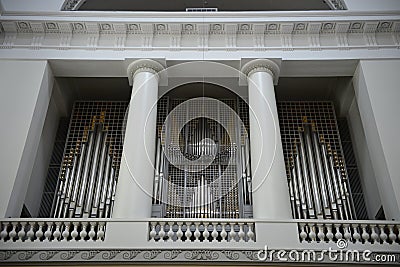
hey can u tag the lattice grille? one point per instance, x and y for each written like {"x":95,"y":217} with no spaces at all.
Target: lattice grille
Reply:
{"x":291,"y":114}
{"x":322,"y":116}
{"x":220,"y":178}
{"x":90,"y":165}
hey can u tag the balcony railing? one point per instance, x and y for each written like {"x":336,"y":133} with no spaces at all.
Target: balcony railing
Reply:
{"x":357,"y":232}
{"x":181,"y":240}
{"x":53,"y":230}
{"x":196,"y":230}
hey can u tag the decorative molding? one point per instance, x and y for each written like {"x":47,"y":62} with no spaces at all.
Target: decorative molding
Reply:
{"x":143,"y":65}
{"x":72,"y":5}
{"x":336,"y":4}
{"x":263,"y":65}
{"x":227,"y":256}
{"x":286,"y":36}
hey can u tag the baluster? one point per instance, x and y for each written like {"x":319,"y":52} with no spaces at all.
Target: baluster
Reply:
{"x":39,"y":232}
{"x":356,"y":234}
{"x":188,"y":232}
{"x":65,"y":233}
{"x":83,"y":232}
{"x":92,"y":232}
{"x":179,"y":233}
{"x":338,"y":234}
{"x":4,"y":233}
{"x":303,"y":233}
{"x":250,"y":233}
{"x":197,"y":232}
{"x":170,"y":232}
{"x":48,"y":233}
{"x":57,"y":232}
{"x":75,"y":233}
{"x":329,"y":233}
{"x":153,"y":232}
{"x":161,"y":233}
{"x":224,"y":234}
{"x":13,"y":232}
{"x":21,"y":233}
{"x":321,"y":232}
{"x":241,"y":233}
{"x":31,"y":234}
{"x":383,"y":236}
{"x":392,"y":235}
{"x":347,"y":233}
{"x":100,"y":231}
{"x":364,"y":235}
{"x":214,"y":232}
{"x":312,"y":233}
{"x":374,"y":235}
{"x":232,"y":233}
{"x":206,"y":234}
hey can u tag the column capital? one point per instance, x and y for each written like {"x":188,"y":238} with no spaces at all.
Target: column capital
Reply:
{"x":143,"y":65}
{"x":262,"y":65}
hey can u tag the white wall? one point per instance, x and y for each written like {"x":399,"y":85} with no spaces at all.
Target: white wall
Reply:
{"x":25,"y":92}
{"x":373,"y":5}
{"x":376,"y":85}
{"x":32,"y":5}
{"x":372,"y":198}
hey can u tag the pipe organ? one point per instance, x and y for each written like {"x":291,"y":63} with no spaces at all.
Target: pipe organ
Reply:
{"x":317,"y":176}
{"x":202,"y":161}
{"x":89,"y":173}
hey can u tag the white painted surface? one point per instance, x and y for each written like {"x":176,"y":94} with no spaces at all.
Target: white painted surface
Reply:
{"x":376,"y":85}
{"x":40,"y":169}
{"x":372,"y":5}
{"x":269,"y":181}
{"x":27,"y":85}
{"x":32,"y":5}
{"x":369,"y":184}
{"x":133,"y":197}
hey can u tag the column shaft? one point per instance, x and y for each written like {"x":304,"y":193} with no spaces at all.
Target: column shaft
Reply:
{"x":133,"y":195}
{"x":270,"y":189}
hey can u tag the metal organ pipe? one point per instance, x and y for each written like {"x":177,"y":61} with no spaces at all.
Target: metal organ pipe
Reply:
{"x":327,"y":180}
{"x":87,"y":182}
{"x":321,"y":176}
{"x":99,"y":180}
{"x":307,"y":183}
{"x":331,"y":191}
{"x":301,"y":185}
{"x":313,"y":173}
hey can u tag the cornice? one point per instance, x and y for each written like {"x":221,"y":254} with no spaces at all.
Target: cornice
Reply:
{"x":314,"y":35}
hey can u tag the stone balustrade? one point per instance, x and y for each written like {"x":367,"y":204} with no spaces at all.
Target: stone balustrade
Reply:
{"x":197,"y":230}
{"x":362,"y":232}
{"x":52,"y":230}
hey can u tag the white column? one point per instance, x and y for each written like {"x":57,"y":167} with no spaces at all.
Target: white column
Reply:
{"x":270,"y":189}
{"x":134,"y":189}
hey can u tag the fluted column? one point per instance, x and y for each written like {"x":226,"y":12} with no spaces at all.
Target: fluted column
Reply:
{"x":133,"y":194}
{"x":270,"y":189}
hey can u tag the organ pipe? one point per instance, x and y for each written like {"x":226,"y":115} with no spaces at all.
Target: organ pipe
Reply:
{"x":317,"y":179}
{"x":88,"y":178}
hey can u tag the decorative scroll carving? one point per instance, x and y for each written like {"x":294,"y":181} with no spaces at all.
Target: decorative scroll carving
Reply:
{"x":201,"y":255}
